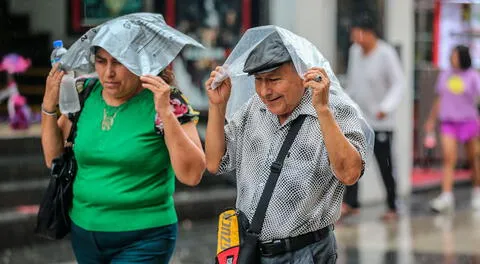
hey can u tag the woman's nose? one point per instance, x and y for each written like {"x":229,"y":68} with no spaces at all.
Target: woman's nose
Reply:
{"x":110,"y":71}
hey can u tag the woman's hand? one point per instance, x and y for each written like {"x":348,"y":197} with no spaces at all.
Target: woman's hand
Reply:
{"x":161,"y":92}
{"x":429,"y":126}
{"x":52,"y":88}
{"x":221,"y":94}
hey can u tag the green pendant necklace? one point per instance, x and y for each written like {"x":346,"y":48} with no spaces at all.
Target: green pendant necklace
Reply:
{"x":108,"y":119}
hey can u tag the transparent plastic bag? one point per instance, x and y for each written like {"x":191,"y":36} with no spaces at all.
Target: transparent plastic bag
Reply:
{"x":304,"y":56}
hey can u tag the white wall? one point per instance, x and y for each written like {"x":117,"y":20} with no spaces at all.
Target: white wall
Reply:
{"x":281,"y":13}
{"x":45,"y":16}
{"x":316,"y":20}
{"x":400,"y":29}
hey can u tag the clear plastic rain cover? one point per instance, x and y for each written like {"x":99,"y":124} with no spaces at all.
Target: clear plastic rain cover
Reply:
{"x":142,"y":42}
{"x":304,"y":56}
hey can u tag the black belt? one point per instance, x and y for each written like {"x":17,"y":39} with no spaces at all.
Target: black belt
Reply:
{"x":280,"y":246}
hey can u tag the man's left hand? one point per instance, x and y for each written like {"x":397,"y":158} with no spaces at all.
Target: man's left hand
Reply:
{"x":381,"y":115}
{"x":317,"y":80}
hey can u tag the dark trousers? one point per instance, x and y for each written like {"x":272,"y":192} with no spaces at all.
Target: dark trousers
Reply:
{"x":383,"y":154}
{"x":153,"y":245}
{"x":321,"y":252}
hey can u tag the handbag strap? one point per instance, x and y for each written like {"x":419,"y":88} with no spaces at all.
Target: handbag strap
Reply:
{"x":275,"y":169}
{"x":82,"y":96}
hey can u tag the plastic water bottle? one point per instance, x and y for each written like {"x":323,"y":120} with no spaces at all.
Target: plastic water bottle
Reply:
{"x":68,"y":98}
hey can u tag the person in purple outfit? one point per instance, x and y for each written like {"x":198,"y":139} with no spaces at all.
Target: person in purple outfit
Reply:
{"x":456,"y":108}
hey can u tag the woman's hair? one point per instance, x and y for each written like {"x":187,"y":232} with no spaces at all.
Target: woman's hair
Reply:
{"x":168,"y":76}
{"x":365,"y":20}
{"x":464,"y":58}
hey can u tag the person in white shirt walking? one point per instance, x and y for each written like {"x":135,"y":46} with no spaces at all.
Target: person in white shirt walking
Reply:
{"x":376,"y":83}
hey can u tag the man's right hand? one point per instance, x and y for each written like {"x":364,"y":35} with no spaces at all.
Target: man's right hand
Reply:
{"x":52,"y":88}
{"x":221,"y":94}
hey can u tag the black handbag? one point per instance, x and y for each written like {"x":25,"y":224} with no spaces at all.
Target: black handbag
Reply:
{"x":248,"y":250}
{"x":53,"y":219}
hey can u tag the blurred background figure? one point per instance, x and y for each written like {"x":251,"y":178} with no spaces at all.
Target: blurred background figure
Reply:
{"x":19,"y":113}
{"x":457,"y":91}
{"x":216,"y":25}
{"x":376,"y":83}
{"x":229,"y":30}
{"x":22,"y":115}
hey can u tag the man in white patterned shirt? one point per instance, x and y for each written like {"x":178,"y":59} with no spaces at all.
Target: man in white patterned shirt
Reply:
{"x":327,"y":154}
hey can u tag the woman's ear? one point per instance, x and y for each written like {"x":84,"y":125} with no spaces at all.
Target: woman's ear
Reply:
{"x":168,"y":76}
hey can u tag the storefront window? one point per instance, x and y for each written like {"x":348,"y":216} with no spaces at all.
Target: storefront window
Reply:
{"x":218,"y":26}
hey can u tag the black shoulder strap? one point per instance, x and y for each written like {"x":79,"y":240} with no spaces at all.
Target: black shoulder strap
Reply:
{"x":82,"y":96}
{"x":275,"y":169}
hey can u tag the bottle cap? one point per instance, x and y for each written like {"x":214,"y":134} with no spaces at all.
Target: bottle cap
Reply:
{"x":57,"y":44}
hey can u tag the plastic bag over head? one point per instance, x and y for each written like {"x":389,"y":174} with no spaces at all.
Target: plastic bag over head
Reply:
{"x":304,"y":56}
{"x":142,"y":42}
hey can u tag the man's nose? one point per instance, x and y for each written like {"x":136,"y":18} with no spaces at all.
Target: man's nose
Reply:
{"x":265,"y":89}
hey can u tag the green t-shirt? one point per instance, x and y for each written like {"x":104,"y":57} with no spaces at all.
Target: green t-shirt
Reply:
{"x":125,"y":180}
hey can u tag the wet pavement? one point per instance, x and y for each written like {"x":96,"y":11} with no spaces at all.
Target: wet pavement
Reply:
{"x":419,"y":236}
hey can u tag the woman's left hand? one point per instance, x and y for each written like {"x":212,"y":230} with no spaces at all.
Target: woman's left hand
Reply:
{"x":161,"y":92}
{"x":317,"y":80}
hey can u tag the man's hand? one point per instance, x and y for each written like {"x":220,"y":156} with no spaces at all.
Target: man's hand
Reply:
{"x":221,"y":94}
{"x":317,"y":80}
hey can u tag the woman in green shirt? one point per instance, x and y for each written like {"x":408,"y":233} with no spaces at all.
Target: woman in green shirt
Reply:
{"x":134,"y":135}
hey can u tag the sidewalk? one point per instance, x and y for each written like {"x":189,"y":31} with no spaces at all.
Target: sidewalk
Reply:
{"x":429,"y":178}
{"x":418,"y":237}
{"x":6,"y":132}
